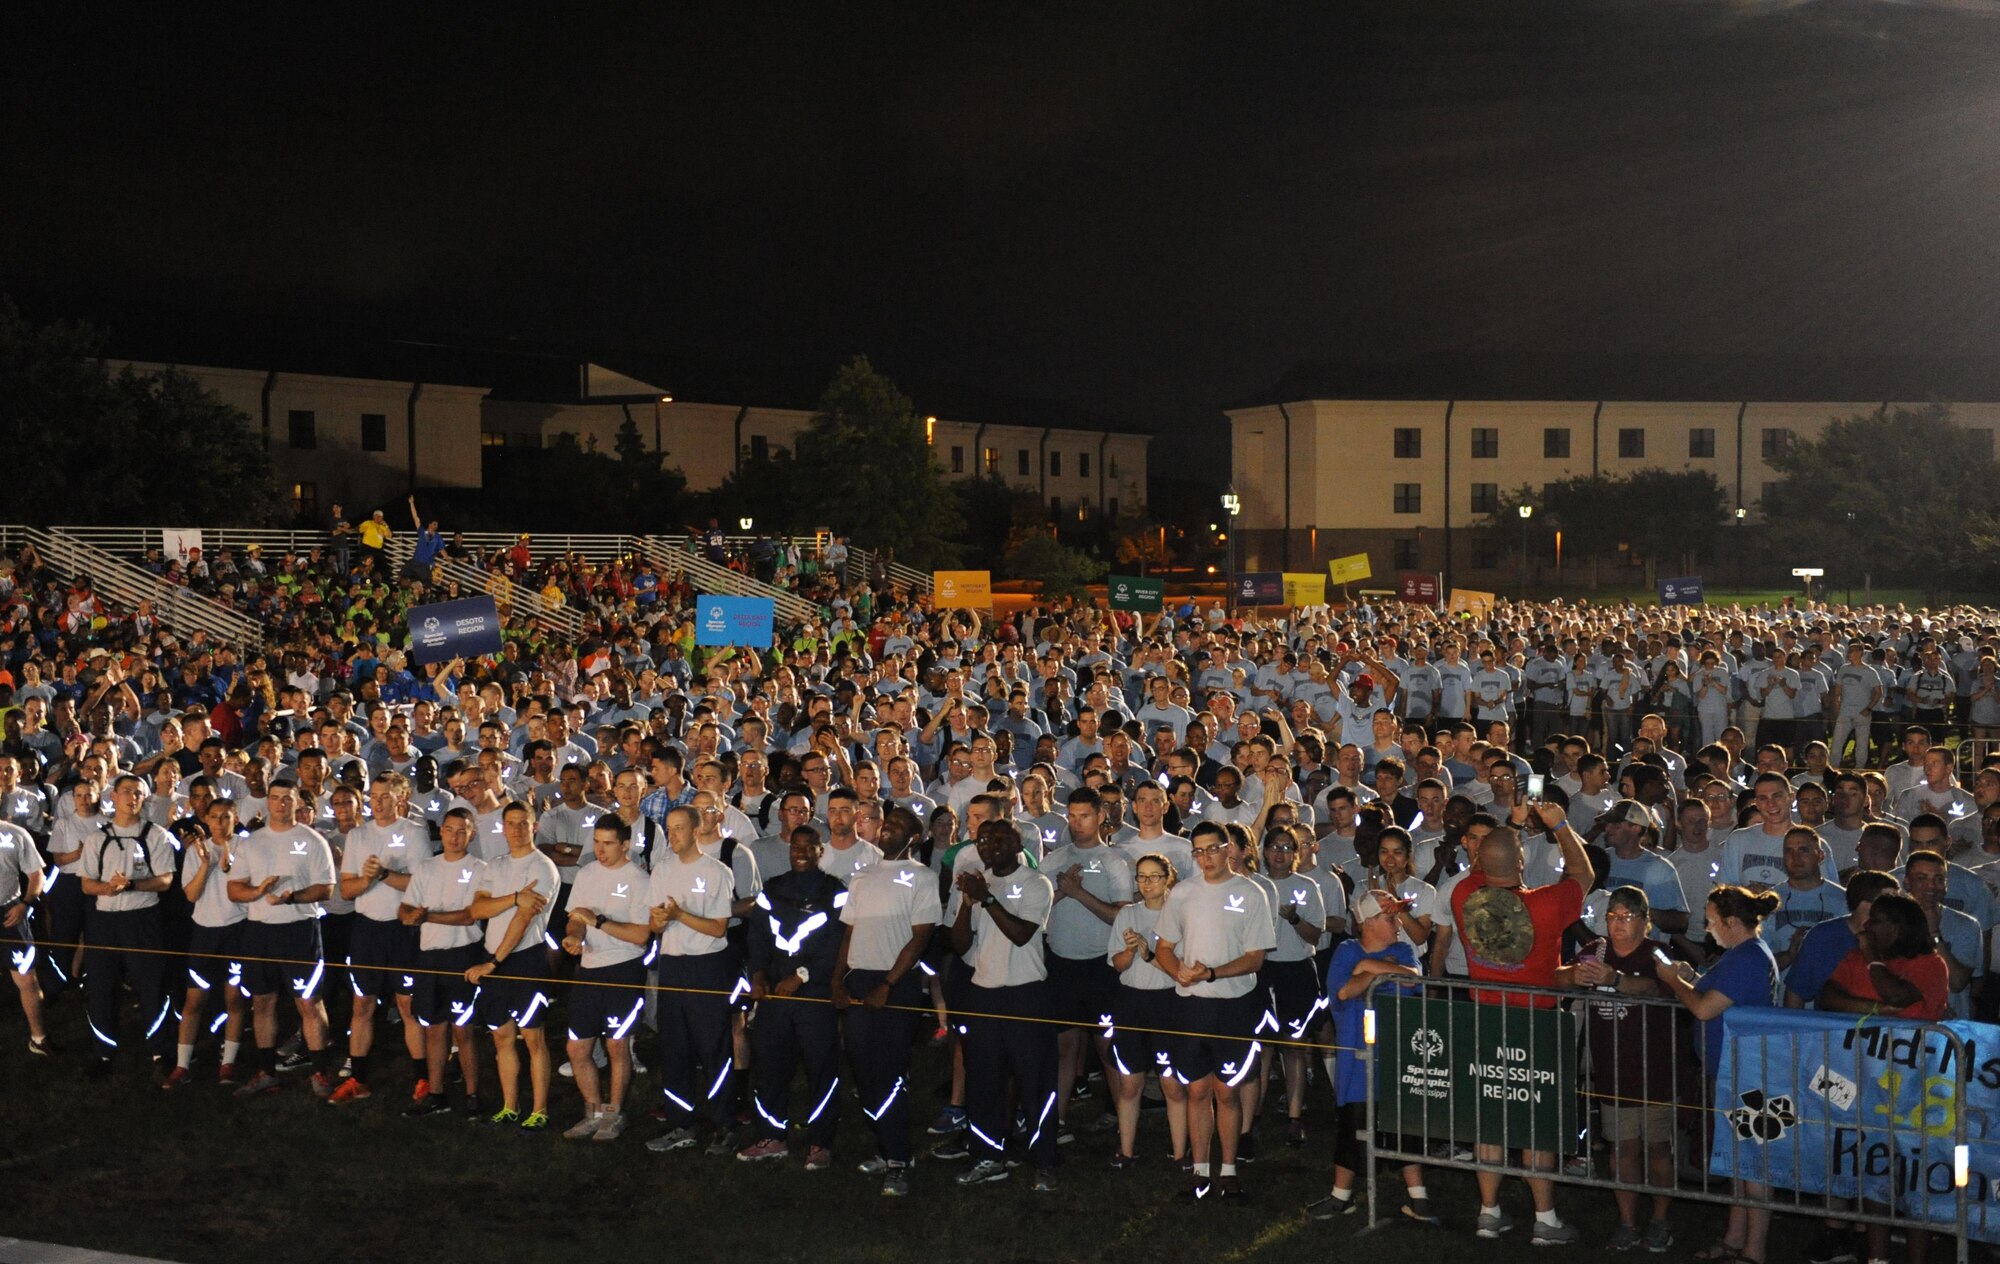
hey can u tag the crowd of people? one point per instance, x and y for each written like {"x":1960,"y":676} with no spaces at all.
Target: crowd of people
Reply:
{"x":1156,"y":860}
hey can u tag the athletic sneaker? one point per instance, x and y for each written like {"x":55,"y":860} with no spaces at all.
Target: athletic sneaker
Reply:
{"x":431,"y":1104}
{"x":1419,"y":1210}
{"x":875,"y":1166}
{"x":1295,"y":1132}
{"x":610,"y":1126}
{"x":678,"y":1139}
{"x":1246,"y":1148}
{"x":350,"y":1090}
{"x":950,"y":1120}
{"x":262,"y":1084}
{"x":226,"y":1073}
{"x":536,"y":1122}
{"x":475,"y":1110}
{"x":1045,"y":1181}
{"x":722,"y":1146}
{"x":1555,"y":1235}
{"x":1492,"y":1224}
{"x":40,"y":1046}
{"x":585,"y":1128}
{"x":505,"y":1115}
{"x":818,"y":1159}
{"x":896,"y":1182}
{"x":983,"y":1172}
{"x":176,"y":1078}
{"x":768,"y":1148}
{"x":1064,"y":1135}
{"x":296,"y":1060}
{"x":952,"y":1149}
{"x":1658,"y":1237}
{"x":1123,"y":1162}
{"x":638,"y":1067}
{"x":420,"y":1090}
{"x":322,"y":1085}
{"x":1230,"y":1189}
{"x":1626,"y":1239}
{"x":1331,"y":1208}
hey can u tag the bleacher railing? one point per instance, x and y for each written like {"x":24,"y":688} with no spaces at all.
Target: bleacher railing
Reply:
{"x":128,"y":585}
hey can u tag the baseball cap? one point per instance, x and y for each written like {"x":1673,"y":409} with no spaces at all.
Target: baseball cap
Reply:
{"x":1373,"y":903}
{"x":1632,"y":812}
{"x":1364,"y":681}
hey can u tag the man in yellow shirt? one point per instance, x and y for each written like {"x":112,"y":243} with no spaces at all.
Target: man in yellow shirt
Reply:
{"x":375,"y":534}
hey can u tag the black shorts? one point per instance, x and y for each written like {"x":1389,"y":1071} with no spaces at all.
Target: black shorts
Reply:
{"x":442,"y":994}
{"x":607,"y":1000}
{"x":1081,"y":991}
{"x":283,"y":957}
{"x":1142,"y":1018}
{"x":215,"y":956}
{"x":19,"y":941}
{"x":1217,"y":1037}
{"x":1293,"y":989}
{"x":521,"y":997}
{"x":380,"y":956}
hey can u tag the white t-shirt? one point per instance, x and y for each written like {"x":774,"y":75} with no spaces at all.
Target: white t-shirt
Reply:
{"x":299,"y":858}
{"x":621,"y":895}
{"x":507,"y":876}
{"x":400,"y":847}
{"x":884,"y":902}
{"x":1074,"y":931}
{"x":1214,"y":923}
{"x":446,"y":886}
{"x":703,"y":886}
{"x":996,"y":960}
{"x":1141,"y":975}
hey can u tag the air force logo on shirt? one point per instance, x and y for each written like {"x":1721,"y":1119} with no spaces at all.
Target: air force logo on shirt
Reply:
{"x":465,"y":875}
{"x":701,"y":886}
{"x":620,"y":890}
{"x":299,"y":847}
{"x":1235,"y":905}
{"x":1015,"y":894}
{"x":907,"y":878}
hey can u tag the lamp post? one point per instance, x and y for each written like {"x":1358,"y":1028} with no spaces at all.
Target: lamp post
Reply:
{"x":1526,"y":512}
{"x":1737,"y":548}
{"x":1232,"y":504}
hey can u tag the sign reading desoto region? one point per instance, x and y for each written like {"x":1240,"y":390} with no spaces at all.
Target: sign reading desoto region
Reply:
{"x":466,"y":628}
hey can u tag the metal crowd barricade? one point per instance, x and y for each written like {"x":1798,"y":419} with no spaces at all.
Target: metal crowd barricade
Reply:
{"x":1450,"y":1074}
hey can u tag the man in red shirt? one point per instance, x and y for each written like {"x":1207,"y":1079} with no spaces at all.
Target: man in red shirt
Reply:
{"x":1513,"y":934}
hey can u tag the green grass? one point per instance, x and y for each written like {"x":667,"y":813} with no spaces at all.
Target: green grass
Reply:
{"x":200,"y":1176}
{"x":1911,"y":598}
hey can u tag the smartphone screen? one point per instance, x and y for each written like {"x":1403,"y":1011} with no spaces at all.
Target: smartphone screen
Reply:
{"x":1535,"y":783}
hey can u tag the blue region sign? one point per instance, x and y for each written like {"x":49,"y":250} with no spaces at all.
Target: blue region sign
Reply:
{"x":734,"y":621}
{"x":1681,"y":592}
{"x":466,"y":628}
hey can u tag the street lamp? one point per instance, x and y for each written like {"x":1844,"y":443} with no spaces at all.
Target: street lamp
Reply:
{"x":1737,"y":547}
{"x":1232,"y":504}
{"x":1526,"y":512}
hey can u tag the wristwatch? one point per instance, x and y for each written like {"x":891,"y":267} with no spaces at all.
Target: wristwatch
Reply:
{"x":598,"y":921}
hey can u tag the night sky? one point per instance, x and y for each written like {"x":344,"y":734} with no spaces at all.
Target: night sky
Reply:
{"x":1144,"y":214}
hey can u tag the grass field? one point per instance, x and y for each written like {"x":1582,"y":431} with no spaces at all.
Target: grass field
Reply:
{"x":198,"y":1176}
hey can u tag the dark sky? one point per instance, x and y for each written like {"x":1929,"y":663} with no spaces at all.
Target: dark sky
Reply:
{"x":1146,"y":213}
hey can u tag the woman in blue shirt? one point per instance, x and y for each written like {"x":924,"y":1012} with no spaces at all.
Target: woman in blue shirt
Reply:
{"x":1745,"y":974}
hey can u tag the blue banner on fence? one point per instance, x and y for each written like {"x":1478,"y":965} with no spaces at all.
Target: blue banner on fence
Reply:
{"x":1260,"y":588}
{"x":468,"y":627}
{"x":1819,"y":1103}
{"x":1681,"y":592}
{"x":733,"y":621}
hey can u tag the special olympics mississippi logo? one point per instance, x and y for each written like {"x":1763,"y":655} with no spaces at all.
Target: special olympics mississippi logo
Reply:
{"x":1426,"y":1043}
{"x":431,"y":626}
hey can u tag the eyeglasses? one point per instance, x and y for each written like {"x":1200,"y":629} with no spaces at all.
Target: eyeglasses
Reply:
{"x":1151,"y":877}
{"x":1208,"y":851}
{"x":1281,"y":847}
{"x":1624,"y":917}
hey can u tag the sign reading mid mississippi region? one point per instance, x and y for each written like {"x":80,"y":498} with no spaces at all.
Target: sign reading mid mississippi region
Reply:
{"x":1473,"y":1072}
{"x":466,"y":628}
{"x":734,"y":621}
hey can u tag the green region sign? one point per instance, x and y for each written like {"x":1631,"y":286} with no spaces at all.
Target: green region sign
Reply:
{"x":1136,"y":592}
{"x":1476,"y":1074}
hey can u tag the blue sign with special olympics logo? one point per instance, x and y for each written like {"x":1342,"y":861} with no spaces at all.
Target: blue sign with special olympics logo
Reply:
{"x":467,"y":628}
{"x":1681,"y":592}
{"x":734,"y":621}
{"x":1260,"y":588}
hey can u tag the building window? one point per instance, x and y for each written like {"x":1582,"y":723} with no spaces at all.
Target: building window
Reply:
{"x":374,"y":432}
{"x":1055,"y":506}
{"x":992,"y":462}
{"x":1485,"y":441}
{"x":1111,"y":507}
{"x":1409,"y":498}
{"x":1777,"y":442}
{"x":1083,"y":465}
{"x":1632,"y":444}
{"x":1083,"y":509}
{"x":305,"y":499}
{"x":1701,"y":442}
{"x":1406,"y":555}
{"x":1555,"y":443}
{"x":1111,"y":462}
{"x":1409,"y":443}
{"x":1021,"y":465}
{"x":1486,"y":498}
{"x":1485,"y":555}
{"x":760,"y":448}
{"x":492,"y":439}
{"x":1055,"y":465}
{"x":303,"y":428}
{"x":957,"y":459}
